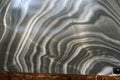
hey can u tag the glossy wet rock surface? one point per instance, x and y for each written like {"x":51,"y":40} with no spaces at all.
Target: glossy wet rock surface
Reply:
{"x":60,"y":36}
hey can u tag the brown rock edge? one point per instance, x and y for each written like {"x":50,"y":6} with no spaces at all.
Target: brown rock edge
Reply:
{"x":44,"y":76}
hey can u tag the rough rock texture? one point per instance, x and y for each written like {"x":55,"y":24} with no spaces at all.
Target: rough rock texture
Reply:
{"x":42,"y":76}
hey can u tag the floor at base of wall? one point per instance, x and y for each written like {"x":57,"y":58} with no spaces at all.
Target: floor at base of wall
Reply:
{"x":44,"y":76}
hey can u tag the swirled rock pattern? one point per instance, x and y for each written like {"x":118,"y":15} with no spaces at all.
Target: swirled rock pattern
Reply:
{"x":60,"y":36}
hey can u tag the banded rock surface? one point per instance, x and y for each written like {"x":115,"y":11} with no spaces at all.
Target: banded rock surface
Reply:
{"x":60,"y":36}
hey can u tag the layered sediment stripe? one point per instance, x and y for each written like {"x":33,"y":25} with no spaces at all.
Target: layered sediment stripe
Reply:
{"x":60,"y":36}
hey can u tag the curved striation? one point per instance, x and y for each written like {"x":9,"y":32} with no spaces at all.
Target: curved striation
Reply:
{"x":60,"y":36}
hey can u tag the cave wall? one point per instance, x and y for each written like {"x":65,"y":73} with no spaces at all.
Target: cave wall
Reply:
{"x":60,"y":36}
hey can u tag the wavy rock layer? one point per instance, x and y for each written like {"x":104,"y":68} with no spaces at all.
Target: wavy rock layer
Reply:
{"x":60,"y":36}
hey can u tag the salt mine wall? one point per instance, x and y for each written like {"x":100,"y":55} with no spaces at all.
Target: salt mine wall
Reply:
{"x":60,"y":36}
